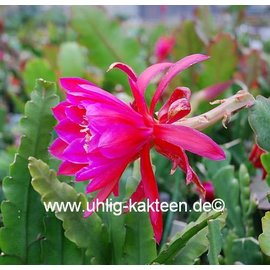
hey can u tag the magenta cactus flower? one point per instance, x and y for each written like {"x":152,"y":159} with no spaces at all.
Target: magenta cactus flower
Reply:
{"x":164,"y":47}
{"x":99,"y":135}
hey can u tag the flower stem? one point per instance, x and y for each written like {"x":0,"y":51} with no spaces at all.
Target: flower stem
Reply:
{"x":229,"y":106}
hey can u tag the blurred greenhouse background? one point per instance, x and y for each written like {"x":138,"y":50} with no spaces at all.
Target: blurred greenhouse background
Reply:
{"x":50,"y":42}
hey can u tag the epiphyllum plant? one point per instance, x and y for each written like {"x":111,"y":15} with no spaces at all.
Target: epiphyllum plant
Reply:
{"x":99,"y":135}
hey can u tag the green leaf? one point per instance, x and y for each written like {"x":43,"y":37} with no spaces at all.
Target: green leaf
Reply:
{"x":246,"y":251}
{"x":212,"y":167}
{"x":87,"y":233}
{"x":223,"y":62}
{"x":140,"y":246}
{"x":56,"y":249}
{"x":105,"y":38}
{"x":205,"y":22}
{"x":264,"y":238}
{"x":10,"y":260}
{"x":37,"y":68}
{"x":197,"y":245}
{"x":3,"y":114}
{"x":247,"y":205}
{"x":71,"y":60}
{"x":215,"y":241}
{"x":259,"y":120}
{"x":227,"y":188}
{"x":169,"y":253}
{"x":265,"y":159}
{"x":194,"y":248}
{"x":107,"y":42}
{"x":22,"y":211}
{"x":187,"y":42}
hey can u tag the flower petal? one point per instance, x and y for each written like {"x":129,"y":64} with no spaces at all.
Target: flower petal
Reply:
{"x":179,"y":66}
{"x":75,"y":152}
{"x":125,"y":68}
{"x":151,"y":192}
{"x":69,"y":131}
{"x":176,"y":107}
{"x":75,"y":114}
{"x":102,"y":195}
{"x":138,"y":194}
{"x":189,"y":139}
{"x":79,"y":90}
{"x":179,"y":158}
{"x":69,"y":168}
{"x":148,"y":74}
{"x":57,"y":148}
{"x":59,"y":111}
{"x":213,"y":91}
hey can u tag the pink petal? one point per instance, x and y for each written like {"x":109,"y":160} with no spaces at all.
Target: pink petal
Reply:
{"x":104,"y":175}
{"x":179,"y":66}
{"x":148,"y":74}
{"x":57,"y":148}
{"x":164,"y":47}
{"x":213,"y":91}
{"x":75,"y":114}
{"x":73,"y":84}
{"x":68,"y":131}
{"x":101,"y":197}
{"x":189,"y":139}
{"x":151,"y":192}
{"x":79,"y":90}
{"x":176,"y":107}
{"x":138,"y":195}
{"x":117,"y":141}
{"x":179,"y":158}
{"x":116,"y":190}
{"x":60,"y":110}
{"x":126,"y":69}
{"x":75,"y":152}
{"x":139,"y":100}
{"x":69,"y":168}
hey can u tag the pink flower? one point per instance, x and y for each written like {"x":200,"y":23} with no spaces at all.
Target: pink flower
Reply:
{"x":209,"y":191}
{"x":99,"y":135}
{"x":2,"y":55}
{"x":255,"y":159}
{"x":164,"y":47}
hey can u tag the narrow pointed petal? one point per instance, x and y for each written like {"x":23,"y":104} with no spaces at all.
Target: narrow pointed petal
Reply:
{"x":75,"y":152}
{"x":116,"y":190}
{"x":179,"y":158}
{"x":81,"y":90}
{"x":189,"y":139}
{"x":213,"y":91}
{"x":179,"y":66}
{"x":148,"y":74}
{"x":125,"y":68}
{"x":59,"y":111}
{"x":73,"y":84}
{"x":176,"y":107}
{"x":151,"y":192}
{"x":138,"y":194}
{"x":69,"y":168}
{"x":57,"y":148}
{"x":68,"y":131}
{"x":102,"y":195}
{"x":75,"y":114}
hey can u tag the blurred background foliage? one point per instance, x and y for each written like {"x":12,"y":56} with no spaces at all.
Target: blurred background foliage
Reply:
{"x":52,"y":42}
